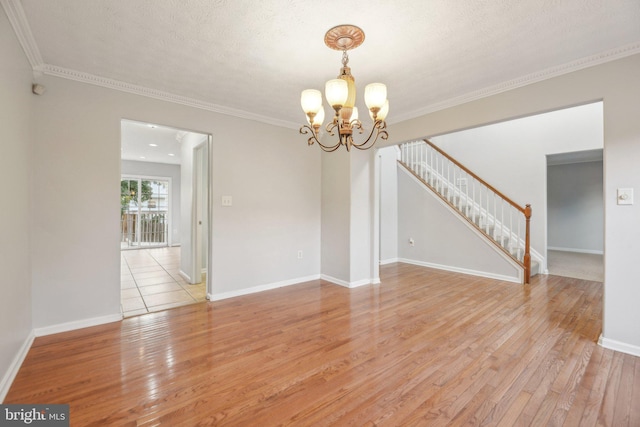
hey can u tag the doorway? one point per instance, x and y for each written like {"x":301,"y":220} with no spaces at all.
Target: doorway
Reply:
{"x":520,"y":146}
{"x":165,"y":217}
{"x":575,"y":215}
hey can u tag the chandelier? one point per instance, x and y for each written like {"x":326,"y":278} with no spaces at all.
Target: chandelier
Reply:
{"x":341,"y":96}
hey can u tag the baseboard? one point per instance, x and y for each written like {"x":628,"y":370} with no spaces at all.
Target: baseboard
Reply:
{"x":15,"y":365}
{"x":472,"y":227}
{"x":185,"y":276}
{"x":261,"y":288}
{"x":578,"y":251}
{"x":346,"y":284}
{"x":79,"y":324}
{"x":388,"y":261}
{"x":462,"y":270}
{"x":622,"y":347}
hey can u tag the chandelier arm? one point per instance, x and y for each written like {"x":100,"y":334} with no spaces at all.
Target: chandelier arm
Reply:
{"x":306,"y":129}
{"x":331,"y":127}
{"x":379,"y":128}
{"x":356,"y":124}
{"x":328,"y":149}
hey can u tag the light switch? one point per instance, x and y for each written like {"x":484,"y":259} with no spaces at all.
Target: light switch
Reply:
{"x":625,"y":196}
{"x":227,"y":201}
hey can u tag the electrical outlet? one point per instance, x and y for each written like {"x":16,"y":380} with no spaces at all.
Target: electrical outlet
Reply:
{"x":227,"y":201}
{"x":299,"y":254}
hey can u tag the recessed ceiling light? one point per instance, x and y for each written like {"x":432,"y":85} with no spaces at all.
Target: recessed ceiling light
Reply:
{"x":142,"y":157}
{"x":171,"y":154}
{"x":153,"y":145}
{"x":152,"y":126}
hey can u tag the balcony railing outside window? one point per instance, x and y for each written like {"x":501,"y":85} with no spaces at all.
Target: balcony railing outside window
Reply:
{"x":144,"y":229}
{"x":144,"y":211}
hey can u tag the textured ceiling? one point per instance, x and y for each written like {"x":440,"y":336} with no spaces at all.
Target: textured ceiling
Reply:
{"x":255,"y":57}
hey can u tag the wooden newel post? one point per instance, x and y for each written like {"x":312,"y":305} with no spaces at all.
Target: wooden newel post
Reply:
{"x":527,"y":245}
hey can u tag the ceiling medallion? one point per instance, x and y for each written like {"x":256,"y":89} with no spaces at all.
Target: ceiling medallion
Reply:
{"x":341,"y":96}
{"x":344,"y":37}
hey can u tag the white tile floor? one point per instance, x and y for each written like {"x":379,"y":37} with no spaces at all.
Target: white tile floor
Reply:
{"x":150,"y":281}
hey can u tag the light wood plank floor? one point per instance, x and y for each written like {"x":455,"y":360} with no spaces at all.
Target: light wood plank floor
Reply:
{"x":424,"y":348}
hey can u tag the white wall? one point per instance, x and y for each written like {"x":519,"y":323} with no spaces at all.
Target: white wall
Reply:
{"x":16,"y":117}
{"x":347,"y":224}
{"x":388,"y":204}
{"x":511,"y":155}
{"x":575,"y":207}
{"x":132,"y":167}
{"x":273,"y":176}
{"x":614,"y":83}
{"x":361,"y":165}
{"x":441,"y":238}
{"x":336,"y":215}
{"x":275,"y":180}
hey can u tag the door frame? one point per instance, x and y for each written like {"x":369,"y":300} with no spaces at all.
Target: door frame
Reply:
{"x":202,"y":155}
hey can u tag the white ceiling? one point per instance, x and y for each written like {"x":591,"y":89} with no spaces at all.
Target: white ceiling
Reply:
{"x":145,"y":142}
{"x":252,"y":58}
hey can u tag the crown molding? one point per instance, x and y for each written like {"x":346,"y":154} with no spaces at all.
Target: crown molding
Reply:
{"x":18,"y":20}
{"x":590,"y":61}
{"x":80,"y":76}
{"x":21,"y":28}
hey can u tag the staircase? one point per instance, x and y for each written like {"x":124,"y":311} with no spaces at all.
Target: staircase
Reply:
{"x":503,"y":222}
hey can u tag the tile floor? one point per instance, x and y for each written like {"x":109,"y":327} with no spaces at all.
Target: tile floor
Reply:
{"x":150,"y":281}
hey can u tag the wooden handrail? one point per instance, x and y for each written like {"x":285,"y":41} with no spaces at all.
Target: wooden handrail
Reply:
{"x":526,"y":210}
{"x":482,"y":181}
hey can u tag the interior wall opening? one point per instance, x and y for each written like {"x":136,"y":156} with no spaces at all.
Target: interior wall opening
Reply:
{"x":512,"y":156}
{"x":165,"y":211}
{"x":575,"y":214}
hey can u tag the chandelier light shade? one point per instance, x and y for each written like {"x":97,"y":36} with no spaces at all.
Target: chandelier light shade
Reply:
{"x":319,"y":117}
{"x":382,"y":114}
{"x":337,"y":93}
{"x":375,"y":95}
{"x":311,"y":100}
{"x":341,"y":96}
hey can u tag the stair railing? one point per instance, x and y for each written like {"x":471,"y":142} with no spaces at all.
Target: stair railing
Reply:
{"x":506,"y":223}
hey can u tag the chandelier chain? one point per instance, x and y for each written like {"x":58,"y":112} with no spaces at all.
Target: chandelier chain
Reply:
{"x":345,"y":58}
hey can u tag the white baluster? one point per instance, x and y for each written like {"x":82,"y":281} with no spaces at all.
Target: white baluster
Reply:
{"x":511,"y":222}
{"x":519,"y":232}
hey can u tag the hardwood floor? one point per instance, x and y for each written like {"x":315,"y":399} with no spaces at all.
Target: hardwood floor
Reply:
{"x":424,"y":348}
